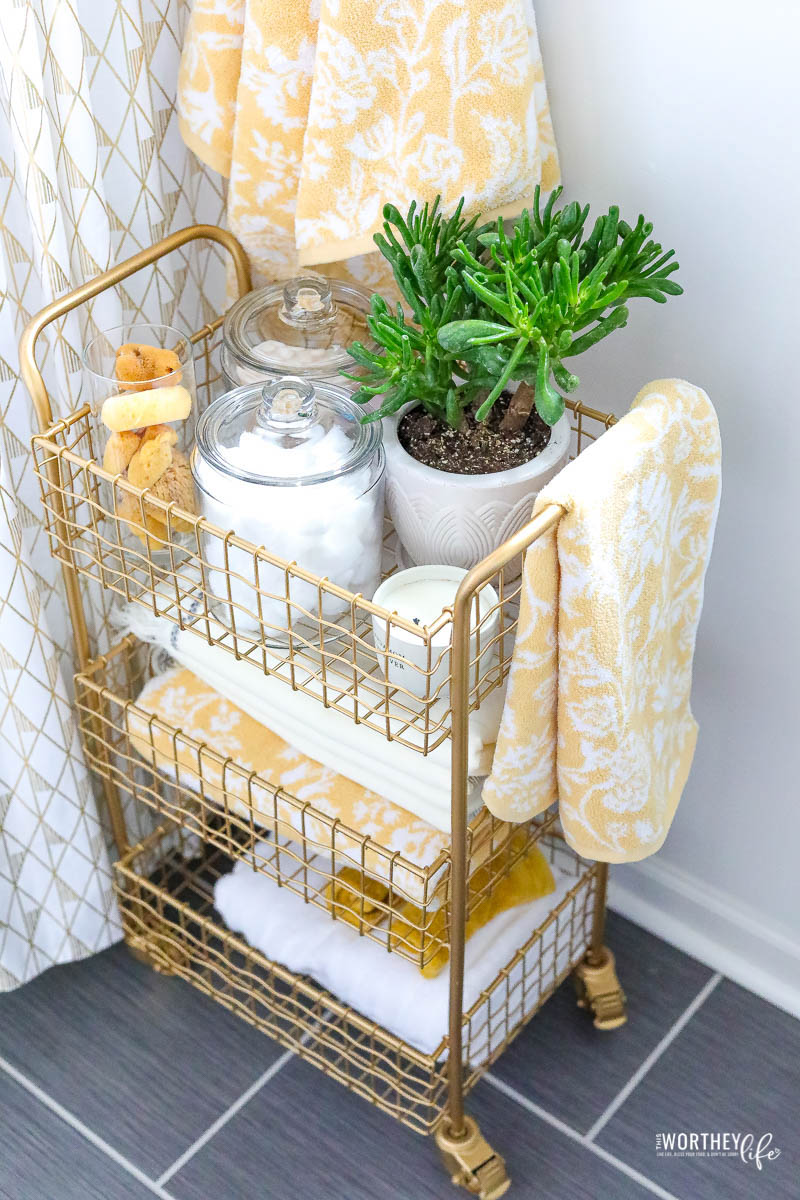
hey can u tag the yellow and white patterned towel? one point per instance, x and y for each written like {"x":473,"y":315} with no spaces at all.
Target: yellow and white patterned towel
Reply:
{"x":320,"y":111}
{"x":255,"y":761}
{"x":597,"y":712}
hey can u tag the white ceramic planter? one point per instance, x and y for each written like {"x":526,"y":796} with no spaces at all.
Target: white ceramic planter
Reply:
{"x":443,"y":517}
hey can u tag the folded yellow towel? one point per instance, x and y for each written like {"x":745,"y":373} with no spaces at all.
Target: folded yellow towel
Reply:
{"x":356,"y":899}
{"x":322,"y":112}
{"x":256,"y":754}
{"x":528,"y":877}
{"x":597,"y":711}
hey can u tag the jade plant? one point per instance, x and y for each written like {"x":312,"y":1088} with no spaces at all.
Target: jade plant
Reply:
{"x":488,"y":306}
{"x":412,"y":363}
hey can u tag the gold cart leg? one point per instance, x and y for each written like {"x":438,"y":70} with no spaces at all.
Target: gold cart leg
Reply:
{"x":110,"y":790}
{"x":459,"y":685}
{"x":596,"y":981}
{"x":468,"y":1158}
{"x":163,"y":964}
{"x":157,"y":951}
{"x":147,"y":937}
{"x":471,"y":1162}
{"x":137,"y":949}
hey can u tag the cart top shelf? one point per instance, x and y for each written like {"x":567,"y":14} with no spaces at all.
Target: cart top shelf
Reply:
{"x":273,"y":615}
{"x":268,"y":613}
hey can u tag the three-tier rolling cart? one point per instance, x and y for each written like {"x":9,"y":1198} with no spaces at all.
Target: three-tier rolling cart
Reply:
{"x":164,"y":883}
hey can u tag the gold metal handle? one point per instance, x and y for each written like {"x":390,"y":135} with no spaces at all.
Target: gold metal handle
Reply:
{"x":36,"y":386}
{"x":87,"y":291}
{"x":41,"y":401}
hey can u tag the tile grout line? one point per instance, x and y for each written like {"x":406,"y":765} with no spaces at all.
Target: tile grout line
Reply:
{"x":225,"y":1117}
{"x":653,"y":1057}
{"x":581,"y":1139}
{"x":586,"y":1140}
{"x":237,"y":1106}
{"x":68,"y":1118}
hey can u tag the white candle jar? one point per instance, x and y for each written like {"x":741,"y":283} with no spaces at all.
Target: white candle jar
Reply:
{"x":290,"y":467}
{"x":420,"y":663}
{"x":301,"y":327}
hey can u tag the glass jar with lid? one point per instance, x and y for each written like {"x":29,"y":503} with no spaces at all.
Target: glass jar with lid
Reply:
{"x":289,"y":466}
{"x":301,"y":327}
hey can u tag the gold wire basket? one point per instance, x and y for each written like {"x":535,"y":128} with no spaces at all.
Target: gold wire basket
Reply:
{"x":311,"y":634}
{"x":216,"y":586}
{"x":209,"y":582}
{"x":166,"y":897}
{"x":380,"y":892}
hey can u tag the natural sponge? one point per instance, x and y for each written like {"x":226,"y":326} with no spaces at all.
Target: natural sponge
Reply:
{"x":138,"y":364}
{"x":129,"y":510}
{"x":176,"y":486}
{"x":132,"y":410}
{"x":152,"y":458}
{"x":119,"y":451}
{"x":160,"y":431}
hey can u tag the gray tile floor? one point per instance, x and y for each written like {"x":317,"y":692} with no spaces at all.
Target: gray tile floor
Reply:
{"x":116,"y":1082}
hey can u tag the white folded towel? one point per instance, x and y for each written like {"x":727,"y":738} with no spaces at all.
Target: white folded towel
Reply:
{"x":389,"y":989}
{"x":416,"y":782}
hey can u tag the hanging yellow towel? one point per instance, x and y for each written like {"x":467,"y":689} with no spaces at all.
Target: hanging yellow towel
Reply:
{"x":320,"y":111}
{"x":597,"y":711}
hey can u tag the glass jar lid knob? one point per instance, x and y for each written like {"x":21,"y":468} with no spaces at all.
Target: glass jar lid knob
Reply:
{"x":287,"y":404}
{"x":308,"y":303}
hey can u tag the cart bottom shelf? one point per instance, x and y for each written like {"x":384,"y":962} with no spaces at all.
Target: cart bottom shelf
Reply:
{"x":165,"y":889}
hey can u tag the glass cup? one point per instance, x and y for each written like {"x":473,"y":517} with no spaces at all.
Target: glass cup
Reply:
{"x":148,"y":533}
{"x":99,"y":362}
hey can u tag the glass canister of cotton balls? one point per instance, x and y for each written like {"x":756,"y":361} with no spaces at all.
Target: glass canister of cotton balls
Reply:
{"x":300,"y":327}
{"x":291,"y":467}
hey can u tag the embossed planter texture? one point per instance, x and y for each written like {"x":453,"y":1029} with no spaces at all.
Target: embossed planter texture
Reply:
{"x":443,"y":517}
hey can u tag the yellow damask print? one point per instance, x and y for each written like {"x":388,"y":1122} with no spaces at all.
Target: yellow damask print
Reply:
{"x":182,"y":701}
{"x":597,"y":713}
{"x":320,"y":112}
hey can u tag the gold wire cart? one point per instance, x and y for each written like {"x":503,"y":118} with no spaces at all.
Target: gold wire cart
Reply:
{"x":214,"y":585}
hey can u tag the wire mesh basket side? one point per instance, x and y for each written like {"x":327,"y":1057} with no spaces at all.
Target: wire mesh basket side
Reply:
{"x":273,"y":615}
{"x":386,"y":895}
{"x":165,"y":895}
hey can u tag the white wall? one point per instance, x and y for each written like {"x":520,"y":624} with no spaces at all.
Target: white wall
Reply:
{"x":688,"y":111}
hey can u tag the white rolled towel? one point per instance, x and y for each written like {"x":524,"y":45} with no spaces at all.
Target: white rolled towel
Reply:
{"x":416,"y":782}
{"x":389,"y":989}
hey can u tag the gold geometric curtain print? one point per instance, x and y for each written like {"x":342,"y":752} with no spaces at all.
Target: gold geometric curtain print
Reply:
{"x":92,"y":169}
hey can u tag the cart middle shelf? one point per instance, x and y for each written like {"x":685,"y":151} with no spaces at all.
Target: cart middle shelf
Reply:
{"x":395,"y":896}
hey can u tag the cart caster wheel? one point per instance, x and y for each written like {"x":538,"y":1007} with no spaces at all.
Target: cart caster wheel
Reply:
{"x":599,"y":991}
{"x":471,"y":1163}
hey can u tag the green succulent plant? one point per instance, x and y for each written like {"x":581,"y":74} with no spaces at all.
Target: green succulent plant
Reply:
{"x":492,"y":306}
{"x":412,"y":364}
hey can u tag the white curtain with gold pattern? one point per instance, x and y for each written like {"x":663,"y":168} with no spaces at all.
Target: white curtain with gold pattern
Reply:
{"x":92,"y":169}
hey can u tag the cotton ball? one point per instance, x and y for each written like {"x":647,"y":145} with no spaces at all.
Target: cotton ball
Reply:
{"x":291,"y":356}
{"x":333,"y":607}
{"x":305,"y":599}
{"x":302,"y":549}
{"x":332,"y":529}
{"x":315,"y":434}
{"x":333,"y":449}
